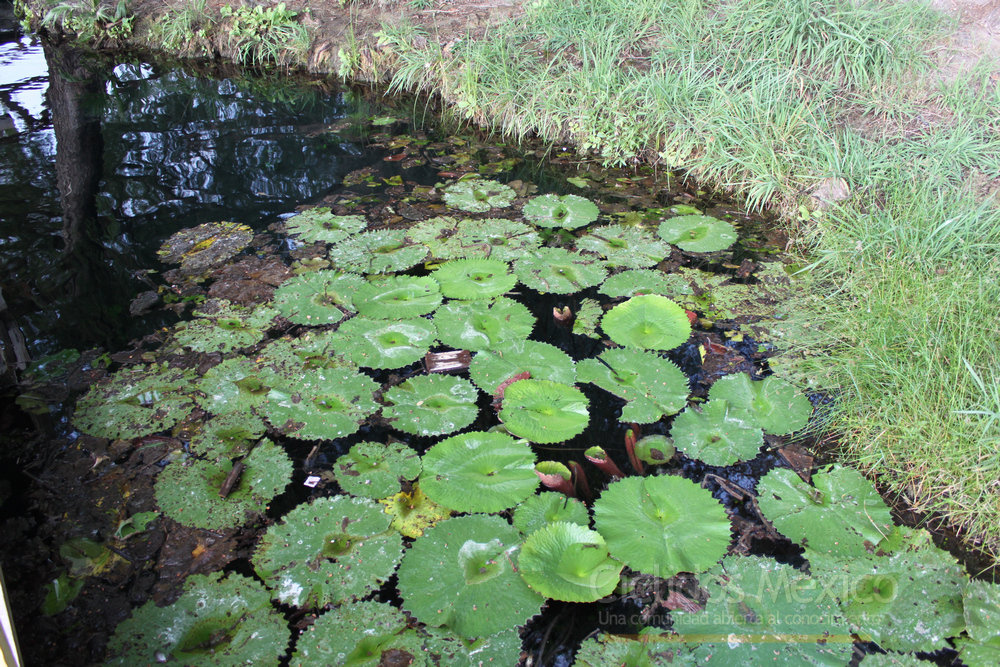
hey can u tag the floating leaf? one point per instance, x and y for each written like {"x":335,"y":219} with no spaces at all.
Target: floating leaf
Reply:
{"x":483,"y":325}
{"x":628,"y":247}
{"x":435,"y":233}
{"x":543,"y":411}
{"x":397,"y":297}
{"x":319,"y":224}
{"x":839,"y":516}
{"x":474,"y":278}
{"x":541,"y":360}
{"x":216,"y":622}
{"x":321,"y":405}
{"x":697,"y":233}
{"x":374,"y":470}
{"x":225,"y":327}
{"x":644,"y":281}
{"x":479,"y":472}
{"x":559,"y":271}
{"x":503,"y":240}
{"x":384,"y":344}
{"x":461,"y":574}
{"x":360,"y":633}
{"x":413,"y":512}
{"x":235,"y":385}
{"x":568,"y":562}
{"x":188,"y":492}
{"x":60,"y":592}
{"x":647,"y":322}
{"x":645,"y":652}
{"x":328,"y":551}
{"x":774,"y":404}
{"x":386,"y":251}
{"x":134,"y":403}
{"x":204,"y":247}
{"x":718,"y":434}
{"x":662,"y":525}
{"x":431,"y":405}
{"x":230,"y":436}
{"x":653,"y":386}
{"x":567,"y":211}
{"x":587,"y":317}
{"x":478,"y":196}
{"x":448,"y":648}
{"x":549,"y":507}
{"x":905,"y":660}
{"x":655,"y":449}
{"x":318,"y":297}
{"x":313,"y":350}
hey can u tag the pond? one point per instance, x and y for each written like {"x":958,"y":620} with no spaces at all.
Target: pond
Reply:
{"x":235,"y":289}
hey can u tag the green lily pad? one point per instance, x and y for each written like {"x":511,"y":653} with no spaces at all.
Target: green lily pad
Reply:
{"x":188,"y":492}
{"x":567,"y":211}
{"x":360,"y":633}
{"x":327,"y":552}
{"x":384,"y":344}
{"x":643,"y":652}
{"x":543,"y":411}
{"x":374,"y":470}
{"x":319,"y":224}
{"x":644,"y":281}
{"x":483,"y":325}
{"x":475,"y":278}
{"x":477,"y":196}
{"x":648,"y":322}
{"x":587,"y":318}
{"x":216,"y":623}
{"x":627,"y":247}
{"x":774,"y":404}
{"x":662,"y":525}
{"x":224,"y":327}
{"x":385,"y":251}
{"x":541,"y":360}
{"x":321,"y":405}
{"x":718,"y":434}
{"x":653,"y":386}
{"x":549,"y":507}
{"x":655,"y":449}
{"x":698,"y":233}
{"x":559,"y":271}
{"x":838,"y":516}
{"x":317,"y":297}
{"x":413,"y":512}
{"x":229,"y":435}
{"x":493,"y":238}
{"x":397,"y":297}
{"x":235,"y":385}
{"x":431,"y":405}
{"x":568,"y":562}
{"x":312,"y":351}
{"x":435,"y":233}
{"x":461,"y":573}
{"x":448,"y":648}
{"x":134,"y":403}
{"x":205,"y":247}
{"x":903,"y":660}
{"x":479,"y":472}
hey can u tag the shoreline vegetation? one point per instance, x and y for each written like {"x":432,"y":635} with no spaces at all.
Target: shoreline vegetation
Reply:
{"x":852,"y":120}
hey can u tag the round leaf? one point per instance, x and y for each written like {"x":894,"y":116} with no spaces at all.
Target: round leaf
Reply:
{"x":134,"y":403}
{"x":318,"y":297}
{"x":397,"y":297}
{"x":504,"y":240}
{"x":543,"y":411}
{"x":719,"y":435}
{"x":431,"y":405}
{"x":644,"y":281}
{"x":386,"y":251}
{"x":474,"y":278}
{"x":648,"y":322}
{"x":774,"y":404}
{"x":477,"y":196}
{"x":653,"y":386}
{"x":559,"y":271}
{"x":225,"y":327}
{"x":229,"y":436}
{"x":697,"y":233}
{"x":540,"y":360}
{"x":358,"y":633}
{"x":382,"y":344}
{"x":413,"y":512}
{"x":628,"y":247}
{"x":322,"y":405}
{"x":568,"y":562}
{"x":483,"y":325}
{"x":374,"y":470}
{"x":235,"y":385}
{"x":549,"y":507}
{"x":319,"y":224}
{"x":447,"y":648}
{"x":567,"y":211}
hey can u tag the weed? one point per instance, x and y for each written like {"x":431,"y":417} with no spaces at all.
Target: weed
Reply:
{"x":260,"y":36}
{"x":91,"y":20}
{"x":183,"y":28}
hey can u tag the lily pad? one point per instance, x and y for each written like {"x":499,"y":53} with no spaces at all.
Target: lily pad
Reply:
{"x":718,"y":434}
{"x":448,"y":648}
{"x":483,"y":325}
{"x":231,"y":435}
{"x":503,"y":240}
{"x":543,"y":411}
{"x":205,"y":247}
{"x":653,"y":386}
{"x":216,"y":622}
{"x":559,"y":271}
{"x":313,"y":350}
{"x":317,"y":297}
{"x":627,"y":247}
{"x":431,"y":405}
{"x":436,"y":233}
{"x":321,"y":405}
{"x":642,"y":652}
{"x":235,"y":385}
{"x":662,"y":525}
{"x":649,"y":322}
{"x":541,"y":360}
{"x":568,"y":562}
{"x":587,"y":318}
{"x":224,"y":327}
{"x":134,"y":403}
{"x":360,"y":633}
{"x":567,"y":211}
{"x":385,"y":251}
{"x":329,"y":551}
{"x":655,"y":449}
{"x":698,"y":233}
{"x":413,"y":512}
{"x":479,"y":472}
{"x":774,"y":404}
{"x":397,"y":297}
{"x":461,"y":573}
{"x":644,"y":281}
{"x":549,"y":507}
{"x":475,"y":278}
{"x":476,"y":196}
{"x":188,"y":492}
{"x":320,"y":224}
{"x":385,"y":344}
{"x":374,"y":470}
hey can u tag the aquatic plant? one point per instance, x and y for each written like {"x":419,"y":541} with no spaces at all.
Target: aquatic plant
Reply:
{"x":321,"y":405}
{"x":476,"y":196}
{"x":223,"y":327}
{"x":397,"y":297}
{"x":543,"y":411}
{"x":483,"y":325}
{"x":697,"y":233}
{"x":360,"y":633}
{"x":461,"y":573}
{"x":318,"y":297}
{"x":655,"y":449}
{"x":500,"y":239}
{"x":135,"y":402}
{"x":549,"y":507}
{"x":327,"y":552}
{"x":234,"y":386}
{"x":413,"y":512}
{"x":384,"y":343}
{"x":431,"y":405}
{"x":230,"y":435}
{"x":568,"y":562}
{"x":374,"y":470}
{"x":558,"y":270}
{"x":475,"y":278}
{"x":654,"y":387}
{"x":645,"y":651}
{"x":717,"y":434}
{"x":437,"y":234}
{"x":662,"y":525}
{"x":773,"y":404}
{"x":445,"y":647}
{"x":490,"y":369}
{"x":650,"y":322}
{"x":385,"y":251}
{"x":637,"y":282}
{"x":566,"y":211}
{"x":320,"y":224}
{"x":587,"y":317}
{"x":202,"y":248}
{"x":479,"y":472}
{"x":627,"y":247}
{"x":217,"y":622}
{"x":313,"y":350}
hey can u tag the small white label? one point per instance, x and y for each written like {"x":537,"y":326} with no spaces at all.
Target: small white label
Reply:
{"x":311,"y":481}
